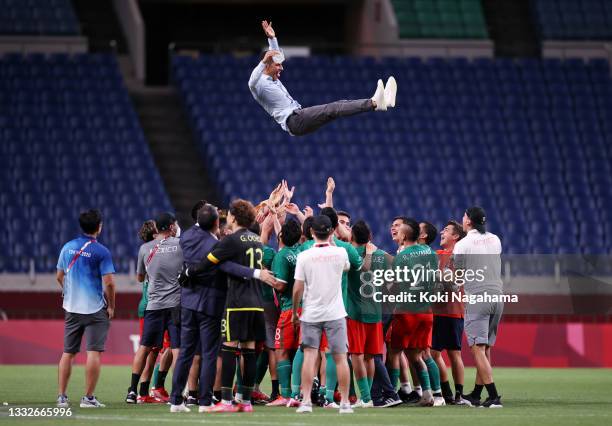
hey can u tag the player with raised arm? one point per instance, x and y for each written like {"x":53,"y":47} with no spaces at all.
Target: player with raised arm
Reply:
{"x":271,"y":94}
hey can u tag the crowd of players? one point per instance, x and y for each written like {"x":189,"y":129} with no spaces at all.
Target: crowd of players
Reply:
{"x":231,"y":312}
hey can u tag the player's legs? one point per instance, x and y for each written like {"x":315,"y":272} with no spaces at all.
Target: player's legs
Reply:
{"x":64,"y":372}
{"x":194,"y":375}
{"x":457,"y":369}
{"x":308,"y":370}
{"x":190,"y":343}
{"x":210,"y":337}
{"x":310,"y":119}
{"x":92,"y":372}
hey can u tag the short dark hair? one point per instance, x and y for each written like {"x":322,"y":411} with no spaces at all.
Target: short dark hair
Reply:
{"x":306,"y":227}
{"x":331,"y":214}
{"x":413,"y":226}
{"x":207,"y":216}
{"x":343,"y":213}
{"x":361,"y":232}
{"x":196,"y":208}
{"x":147,"y":231}
{"x":243,"y":211}
{"x":290,"y":233}
{"x":90,"y":220}
{"x":404,"y":219}
{"x":457,"y":228}
{"x":431,"y":231}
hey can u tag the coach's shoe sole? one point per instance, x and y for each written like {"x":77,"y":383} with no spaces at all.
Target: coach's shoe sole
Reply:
{"x":379,"y":97}
{"x":390,"y":92}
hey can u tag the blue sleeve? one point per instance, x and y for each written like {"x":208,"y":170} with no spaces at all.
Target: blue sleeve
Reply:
{"x":61,"y":261}
{"x":106,"y":263}
{"x":237,"y":270}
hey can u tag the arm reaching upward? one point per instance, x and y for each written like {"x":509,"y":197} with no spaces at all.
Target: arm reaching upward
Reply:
{"x":269,"y":31}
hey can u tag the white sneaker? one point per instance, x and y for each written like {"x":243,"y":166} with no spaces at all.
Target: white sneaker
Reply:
{"x":304,"y":408}
{"x":91,"y":403}
{"x":293,"y":402}
{"x":346,"y":409}
{"x":390,"y":92}
{"x":62,"y":401}
{"x":181,"y":408}
{"x":427,"y":399}
{"x":331,"y":404}
{"x":361,"y":404}
{"x":379,"y":97}
{"x":438,"y":401}
{"x":205,"y":408}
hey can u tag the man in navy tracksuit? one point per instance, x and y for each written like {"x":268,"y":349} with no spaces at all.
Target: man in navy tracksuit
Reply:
{"x":202,"y":304}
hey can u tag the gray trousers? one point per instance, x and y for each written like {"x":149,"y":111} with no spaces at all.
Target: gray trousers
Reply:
{"x":307,"y":120}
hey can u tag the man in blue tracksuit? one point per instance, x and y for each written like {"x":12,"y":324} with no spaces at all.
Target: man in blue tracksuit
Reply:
{"x":202,"y":304}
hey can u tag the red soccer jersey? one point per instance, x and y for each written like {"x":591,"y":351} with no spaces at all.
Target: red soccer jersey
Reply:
{"x":451,"y":308}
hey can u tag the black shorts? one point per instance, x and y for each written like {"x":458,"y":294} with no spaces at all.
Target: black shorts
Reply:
{"x":244,"y":325}
{"x":157,"y":322}
{"x":447,"y":333}
{"x":95,"y":326}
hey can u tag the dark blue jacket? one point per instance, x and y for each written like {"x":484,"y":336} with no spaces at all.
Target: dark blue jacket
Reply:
{"x":207,"y":293}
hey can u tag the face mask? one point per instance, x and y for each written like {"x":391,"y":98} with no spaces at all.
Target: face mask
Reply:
{"x":178,"y":231}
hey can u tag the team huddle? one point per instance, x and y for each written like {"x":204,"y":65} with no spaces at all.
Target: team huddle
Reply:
{"x":220,"y":303}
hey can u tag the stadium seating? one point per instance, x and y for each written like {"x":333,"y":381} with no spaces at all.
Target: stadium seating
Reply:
{"x":51,"y":17}
{"x":529,"y":140}
{"x":574,"y":19}
{"x":70,"y":140}
{"x":440,"y":19}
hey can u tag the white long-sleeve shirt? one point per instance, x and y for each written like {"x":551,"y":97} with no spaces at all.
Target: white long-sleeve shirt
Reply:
{"x":271,"y":94}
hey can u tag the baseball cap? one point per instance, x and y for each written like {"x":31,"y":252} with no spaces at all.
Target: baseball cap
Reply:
{"x":164,"y":220}
{"x":478,"y":218}
{"x":321,"y":225}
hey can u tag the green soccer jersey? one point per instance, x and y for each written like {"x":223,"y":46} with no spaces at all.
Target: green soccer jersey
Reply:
{"x":417,"y":264}
{"x":284,"y":270}
{"x":354,"y":259}
{"x":267,"y":293}
{"x":142,"y":305}
{"x":360,"y":304}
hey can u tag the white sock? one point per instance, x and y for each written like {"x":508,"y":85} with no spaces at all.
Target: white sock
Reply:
{"x":406,"y":387}
{"x":418,"y":390}
{"x":226,"y":402}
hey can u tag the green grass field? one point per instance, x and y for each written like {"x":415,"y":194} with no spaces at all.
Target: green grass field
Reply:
{"x":530,"y":396}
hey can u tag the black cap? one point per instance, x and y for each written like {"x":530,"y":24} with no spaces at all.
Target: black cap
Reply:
{"x":478,"y":218}
{"x":321,"y":225}
{"x":164,"y":220}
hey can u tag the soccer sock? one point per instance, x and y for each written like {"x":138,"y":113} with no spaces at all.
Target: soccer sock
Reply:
{"x":144,"y":388}
{"x":193,"y":394}
{"x":394,"y":377}
{"x":458,"y":389}
{"x":405,"y":387}
{"x":275,"y":383}
{"x":446,"y":389}
{"x":238,"y":377}
{"x":217,"y":395}
{"x":477,"y":391}
{"x":331,"y":377}
{"x":492,"y":390}
{"x":423,"y":376}
{"x":322,"y":391}
{"x":364,"y":389}
{"x":134,"y":384}
{"x":434,"y":375}
{"x":296,"y":373}
{"x":283,"y":369}
{"x":228,"y":369}
{"x":262,"y":366}
{"x":248,"y":375}
{"x":352,"y":381}
{"x":161,"y":379}
{"x":155,"y":374}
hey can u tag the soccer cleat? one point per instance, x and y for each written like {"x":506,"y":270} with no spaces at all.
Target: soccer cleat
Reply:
{"x":161,"y":394}
{"x":205,"y":408}
{"x":222,"y":407}
{"x":345,"y":409}
{"x":460,"y":400}
{"x":181,"y":408}
{"x":427,"y":400}
{"x":438,"y":401}
{"x":131,"y":397}
{"x":471,"y":400}
{"x":281,"y":401}
{"x":191,"y":401}
{"x":449,"y":400}
{"x":293,"y":402}
{"x":62,"y":401}
{"x":412,"y":398}
{"x":379,"y":97}
{"x":390,"y":92}
{"x":492,"y":403}
{"x":330,"y":404}
{"x":148,"y":399}
{"x":259,"y":397}
{"x":304,"y":408}
{"x":92,"y":402}
{"x":361,"y":404}
{"x":245,"y":408}
{"x":388,"y":402}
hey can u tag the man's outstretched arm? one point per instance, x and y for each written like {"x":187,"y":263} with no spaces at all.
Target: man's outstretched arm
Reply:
{"x":269,"y":31}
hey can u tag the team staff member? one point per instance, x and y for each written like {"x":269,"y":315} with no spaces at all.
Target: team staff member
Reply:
{"x":481,"y":251}
{"x":448,"y":320}
{"x":162,"y":261}
{"x":83,"y":266}
{"x":318,"y":285}
{"x":202,"y":301}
